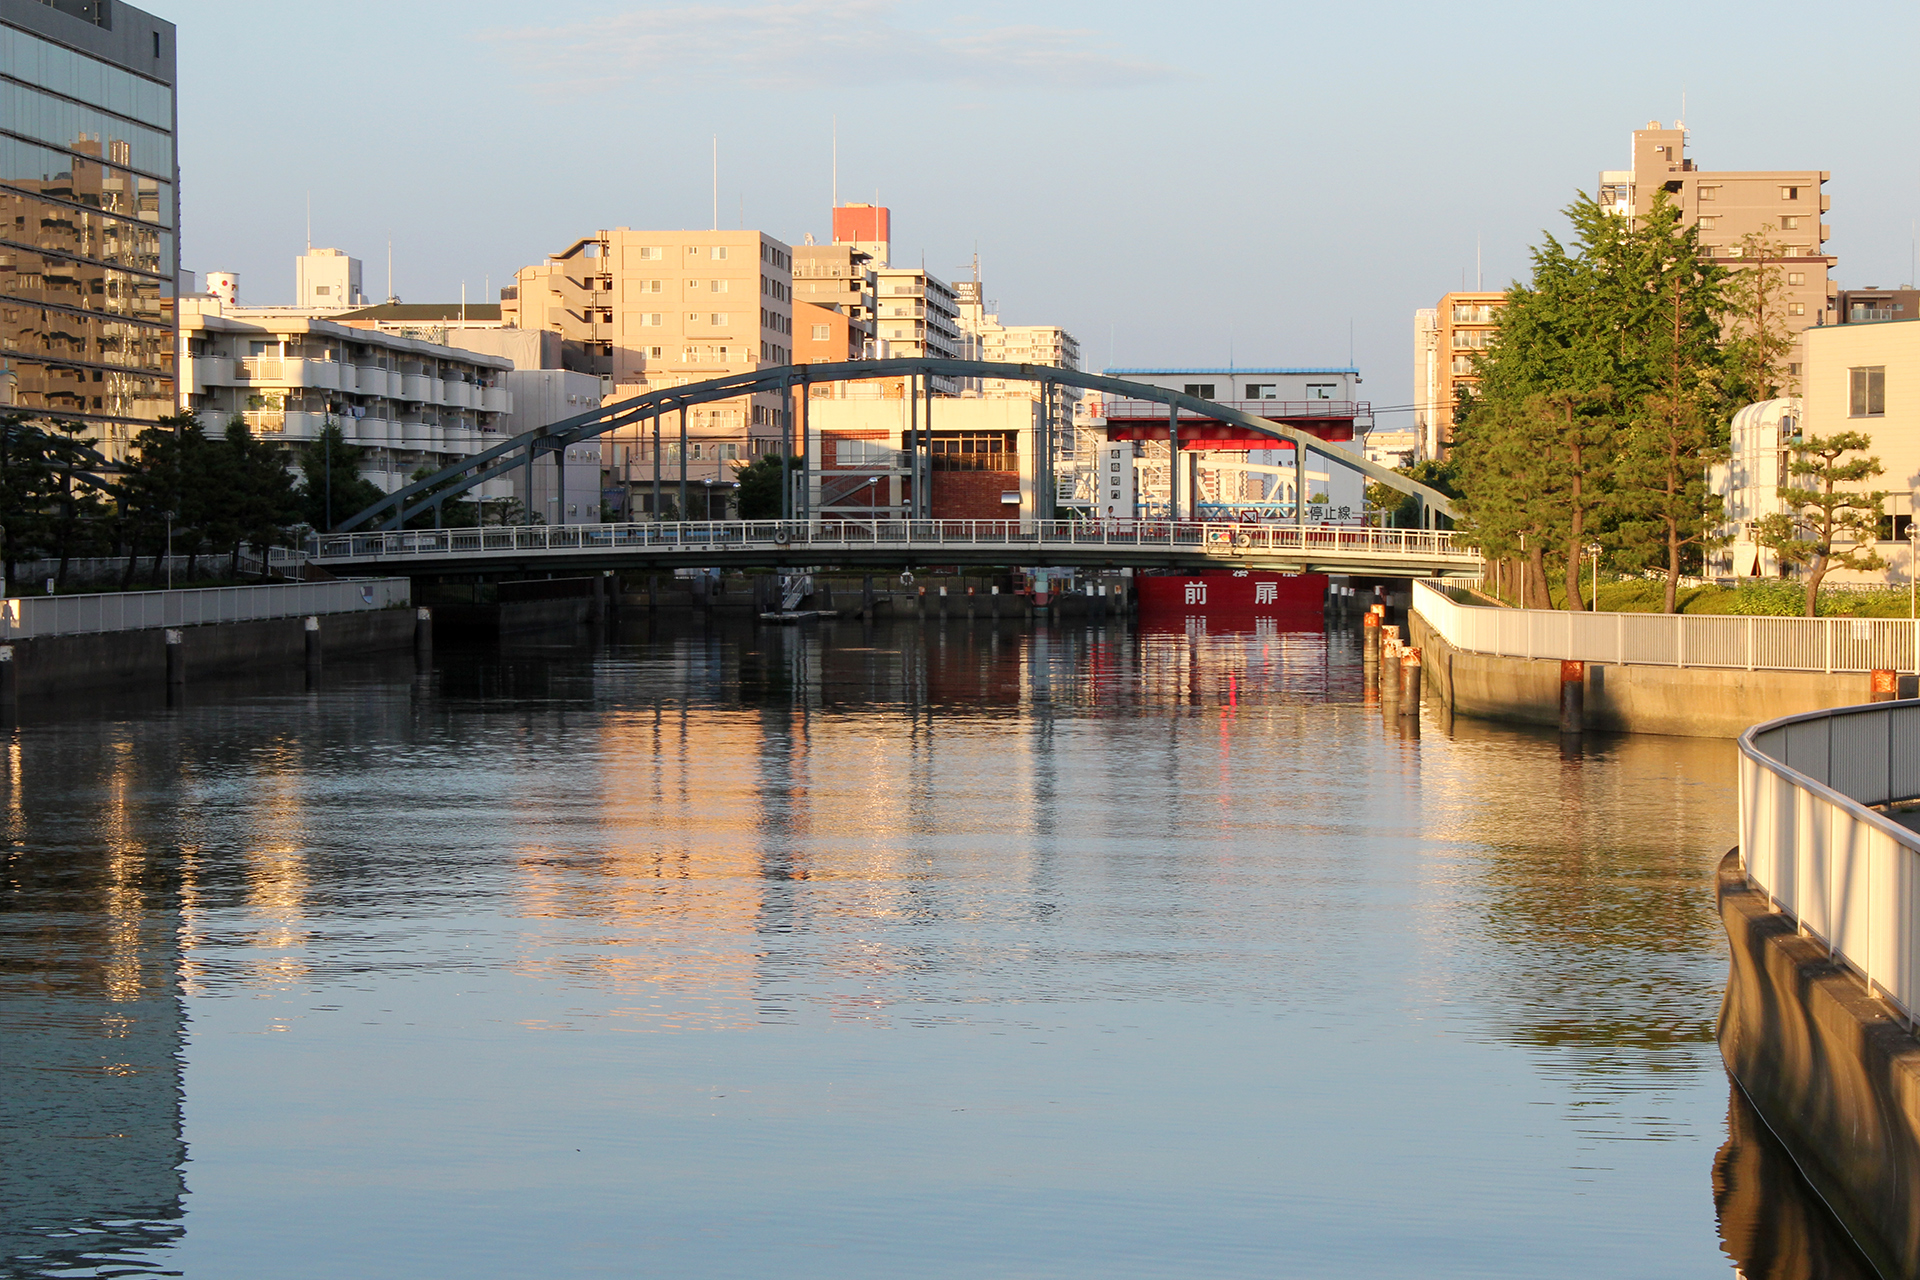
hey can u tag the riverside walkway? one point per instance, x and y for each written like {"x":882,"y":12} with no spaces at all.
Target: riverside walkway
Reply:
{"x":899,"y":544}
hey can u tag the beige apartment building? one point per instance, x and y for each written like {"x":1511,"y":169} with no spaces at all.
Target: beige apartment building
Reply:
{"x":643,"y":310}
{"x":1863,"y":376}
{"x":1446,"y":338}
{"x":1783,"y":205}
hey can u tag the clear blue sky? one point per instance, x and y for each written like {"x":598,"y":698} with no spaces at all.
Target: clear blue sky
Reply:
{"x":1173,"y":182}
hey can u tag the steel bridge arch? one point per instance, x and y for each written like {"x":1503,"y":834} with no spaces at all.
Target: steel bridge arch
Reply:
{"x":523,"y":449}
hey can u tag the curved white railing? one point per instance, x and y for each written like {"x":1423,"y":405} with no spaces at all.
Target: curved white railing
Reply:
{"x":1205,"y":537}
{"x":1848,"y":875}
{"x":1828,"y":645}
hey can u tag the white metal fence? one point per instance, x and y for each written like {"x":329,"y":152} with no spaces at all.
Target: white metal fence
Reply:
{"x":1673,"y":640}
{"x":23,"y":617}
{"x":1849,"y":876}
{"x":930,"y":535}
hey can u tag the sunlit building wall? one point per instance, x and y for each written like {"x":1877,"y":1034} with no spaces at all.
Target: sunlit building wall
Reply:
{"x":89,"y":206}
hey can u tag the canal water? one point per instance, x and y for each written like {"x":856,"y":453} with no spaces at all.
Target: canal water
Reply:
{"x":960,"y":950}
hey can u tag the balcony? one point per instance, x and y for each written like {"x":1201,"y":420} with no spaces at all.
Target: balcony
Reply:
{"x":416,"y":388}
{"x":496,"y":400}
{"x":324,"y":374}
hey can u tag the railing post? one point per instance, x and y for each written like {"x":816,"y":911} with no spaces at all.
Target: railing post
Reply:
{"x":1679,"y":640}
{"x":1749,"y":631}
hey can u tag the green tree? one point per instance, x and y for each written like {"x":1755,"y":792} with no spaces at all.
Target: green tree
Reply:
{"x":1756,"y":320}
{"x":760,"y":485}
{"x":457,"y":512}
{"x":1666,"y":516}
{"x":331,"y":486}
{"x":1548,"y":446}
{"x":262,"y":498}
{"x":27,"y":487}
{"x":153,"y":484}
{"x":78,"y":516}
{"x":1821,"y":515}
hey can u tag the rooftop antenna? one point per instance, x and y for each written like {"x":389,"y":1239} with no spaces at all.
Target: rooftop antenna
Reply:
{"x":836,"y":162}
{"x":390,"y":268}
{"x":463,"y":302}
{"x":309,"y":222}
{"x":716,"y":182}
{"x":1479,"y":276}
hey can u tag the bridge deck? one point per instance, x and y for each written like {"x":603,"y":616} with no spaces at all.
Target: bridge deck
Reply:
{"x":899,"y":544}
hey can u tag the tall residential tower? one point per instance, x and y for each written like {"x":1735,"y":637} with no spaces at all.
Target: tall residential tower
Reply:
{"x":89,"y":206}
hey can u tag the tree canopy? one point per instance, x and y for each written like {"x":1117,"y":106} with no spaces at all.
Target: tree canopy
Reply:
{"x":1604,"y":397}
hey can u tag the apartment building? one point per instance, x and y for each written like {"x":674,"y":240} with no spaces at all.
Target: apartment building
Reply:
{"x":918,"y":314}
{"x":327,"y":280}
{"x":1863,"y":376}
{"x":410,"y":404}
{"x":643,"y":310}
{"x":1074,"y":434}
{"x":836,"y":279}
{"x":1785,"y":206}
{"x":1871,"y":304}
{"x":1446,"y":338}
{"x":89,"y":207}
{"x":865,"y":228}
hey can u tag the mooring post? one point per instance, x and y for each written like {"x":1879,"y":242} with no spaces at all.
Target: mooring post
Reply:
{"x":866,"y":597}
{"x":1370,"y":641}
{"x":1573,"y":697}
{"x":423,"y":634}
{"x":312,"y":628}
{"x":1883,"y":685}
{"x":1410,"y":683}
{"x":176,"y":657}
{"x":9,"y":677}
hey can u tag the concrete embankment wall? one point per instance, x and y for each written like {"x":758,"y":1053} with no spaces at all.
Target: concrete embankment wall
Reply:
{"x":1831,"y":1069}
{"x":1690,"y":702}
{"x":47,"y":666}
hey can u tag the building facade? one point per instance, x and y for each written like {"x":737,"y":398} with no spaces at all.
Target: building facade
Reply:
{"x":645,"y":310}
{"x":89,"y":215}
{"x":410,"y":404}
{"x":1733,"y":210}
{"x":837,"y":279}
{"x":327,"y":280}
{"x":1230,"y":473}
{"x":1863,"y":376}
{"x":982,"y":455}
{"x":1446,"y":339}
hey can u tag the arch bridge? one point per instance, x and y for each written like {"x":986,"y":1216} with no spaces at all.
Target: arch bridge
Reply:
{"x":803,"y":535}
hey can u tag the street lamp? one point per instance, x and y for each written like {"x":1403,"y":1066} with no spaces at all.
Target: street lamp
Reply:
{"x":1913,"y":562}
{"x":1593,"y":551}
{"x":169,"y":515}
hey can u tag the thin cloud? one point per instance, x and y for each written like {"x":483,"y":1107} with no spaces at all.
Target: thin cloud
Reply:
{"x":817,"y":43}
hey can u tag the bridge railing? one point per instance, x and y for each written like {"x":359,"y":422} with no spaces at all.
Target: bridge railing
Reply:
{"x":22,"y":617}
{"x":1809,"y":838}
{"x":1204,"y":536}
{"x":1829,"y":645}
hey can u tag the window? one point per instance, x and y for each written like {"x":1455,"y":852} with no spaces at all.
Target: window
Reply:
{"x":1321,"y":390}
{"x":1709,"y":193}
{"x":1796,"y":277}
{"x":1793,"y":368}
{"x":1708,"y":224}
{"x":717,"y":317}
{"x":974,"y":451}
{"x":650,"y":253}
{"x":1789,"y":193}
{"x":693,"y":317}
{"x":822,"y":332}
{"x":1789,"y":224}
{"x":1263,"y":391}
{"x":1894,"y":528}
{"x":718,"y":286}
{"x":719,"y":253}
{"x":1869,"y":391}
{"x":652,"y":319}
{"x":656,"y":353}
{"x":1203,"y":390}
{"x":1796,"y":308}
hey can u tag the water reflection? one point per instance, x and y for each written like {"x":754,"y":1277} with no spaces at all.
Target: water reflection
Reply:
{"x":1771,"y":1224}
{"x":874,"y":949}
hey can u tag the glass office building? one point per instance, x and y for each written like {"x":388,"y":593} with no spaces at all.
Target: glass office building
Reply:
{"x":89,"y":208}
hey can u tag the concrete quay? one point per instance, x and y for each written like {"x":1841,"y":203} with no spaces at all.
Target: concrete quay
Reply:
{"x":1832,"y":1070}
{"x":1693,"y":702}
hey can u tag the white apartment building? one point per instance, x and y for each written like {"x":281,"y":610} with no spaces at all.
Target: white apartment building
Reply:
{"x":327,"y":280}
{"x":918,"y":314}
{"x":410,"y":404}
{"x":1859,"y":377}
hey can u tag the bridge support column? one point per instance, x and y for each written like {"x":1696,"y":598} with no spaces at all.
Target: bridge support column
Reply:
{"x":1173,"y":461}
{"x":683,"y":462}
